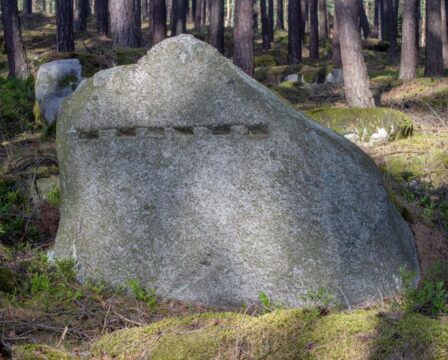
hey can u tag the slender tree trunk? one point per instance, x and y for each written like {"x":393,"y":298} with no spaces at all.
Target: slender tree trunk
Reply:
{"x":125,"y":23}
{"x":244,"y":36}
{"x":197,"y":15}
{"x":193,"y":11}
{"x":391,"y":28}
{"x":265,"y":25}
{"x":363,"y":20}
{"x":336,"y":48}
{"x":423,"y":32}
{"x":174,"y":17}
{"x":228,"y":13}
{"x":80,"y":15}
{"x":157,"y":20}
{"x":256,"y":13}
{"x":102,"y":16}
{"x":383,"y":25}
{"x":271,"y":19}
{"x":303,"y":18}
{"x":375,"y":31}
{"x":444,"y":29}
{"x":434,"y":52}
{"x":64,"y":24}
{"x":209,"y":9}
{"x":17,"y":61}
{"x":314,"y":30}
{"x":204,"y":12}
{"x":216,"y":34}
{"x":409,"y":50}
{"x":323,"y":23}
{"x":181,"y":23}
{"x":28,"y":6}
{"x":295,"y":35}
{"x":145,"y":10}
{"x":356,"y":82}
{"x":280,"y":23}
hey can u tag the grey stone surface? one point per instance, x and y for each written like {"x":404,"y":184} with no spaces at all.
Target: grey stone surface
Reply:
{"x":335,"y":77}
{"x":54,"y":81}
{"x":183,"y":172}
{"x":292,"y":77}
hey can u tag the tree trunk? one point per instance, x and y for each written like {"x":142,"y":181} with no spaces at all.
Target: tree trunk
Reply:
{"x":64,"y":25}
{"x":434,"y":52}
{"x":216,"y":34}
{"x":295,"y":35}
{"x":383,"y":25}
{"x":363,"y":20}
{"x":356,"y":82}
{"x":228,"y":13}
{"x":323,"y":22}
{"x":197,"y":15}
{"x":80,"y":15}
{"x":17,"y":61}
{"x":376,"y":18}
{"x":204,"y":12}
{"x":271,"y":19}
{"x":444,"y":28}
{"x":157,"y":21}
{"x":409,"y":50}
{"x":125,"y":23}
{"x":256,"y":13}
{"x":336,"y":48}
{"x":265,"y":25}
{"x":209,"y":8}
{"x":303,"y":18}
{"x":27,"y":6}
{"x":181,"y":23}
{"x":102,"y":17}
{"x":243,"y":55}
{"x":280,"y":24}
{"x":390,"y":28}
{"x":145,"y":9}
{"x":314,"y":30}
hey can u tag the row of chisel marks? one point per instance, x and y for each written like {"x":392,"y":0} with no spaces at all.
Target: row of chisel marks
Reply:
{"x":258,"y":131}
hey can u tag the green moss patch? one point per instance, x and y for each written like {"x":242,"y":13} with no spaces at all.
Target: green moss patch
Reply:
{"x":283,"y":334}
{"x":264,"y":60}
{"x":291,"y":92}
{"x":129,"y":56}
{"x":364,"y":122}
{"x":41,"y":352}
{"x":312,"y":75}
{"x":273,"y":75}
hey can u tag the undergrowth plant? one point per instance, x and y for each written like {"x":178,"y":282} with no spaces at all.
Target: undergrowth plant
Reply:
{"x":148,"y":296}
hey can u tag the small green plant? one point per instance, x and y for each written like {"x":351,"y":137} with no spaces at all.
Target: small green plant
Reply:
{"x":321,"y":298}
{"x":149,"y":297}
{"x":53,"y":197}
{"x":40,"y":283}
{"x":267,"y":304}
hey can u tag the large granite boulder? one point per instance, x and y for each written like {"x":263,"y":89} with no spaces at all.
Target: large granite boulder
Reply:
{"x":183,"y":172}
{"x":56,"y":80}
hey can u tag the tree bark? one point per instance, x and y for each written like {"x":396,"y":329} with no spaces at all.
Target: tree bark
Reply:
{"x":323,"y":21}
{"x":28,"y":6}
{"x":303,"y":18}
{"x":444,"y":29}
{"x":204,"y":12}
{"x":409,"y":50}
{"x":17,"y":61}
{"x":434,"y":51}
{"x":181,"y":23}
{"x":295,"y":35}
{"x":356,"y":82}
{"x":390,"y":27}
{"x":64,"y":25}
{"x":216,"y":34}
{"x":125,"y":23}
{"x":244,"y":36}
{"x":280,"y":24}
{"x":271,"y":20}
{"x":265,"y":25}
{"x":157,"y":21}
{"x":198,"y":15}
{"x":363,"y":20}
{"x":102,"y":17}
{"x":375,"y":31}
{"x":314,"y":30}
{"x":336,"y":48}
{"x":383,"y":25}
{"x":80,"y":15}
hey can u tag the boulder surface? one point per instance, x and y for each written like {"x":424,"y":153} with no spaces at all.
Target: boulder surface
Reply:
{"x":55,"y":81}
{"x":183,"y":172}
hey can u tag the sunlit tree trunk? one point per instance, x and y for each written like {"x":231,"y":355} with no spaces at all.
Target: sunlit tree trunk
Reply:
{"x":409,"y":49}
{"x":434,"y":52}
{"x":375,"y":30}
{"x":336,"y":48}
{"x":216,"y":34}
{"x":444,"y":29}
{"x":17,"y":61}
{"x":125,"y":23}
{"x":64,"y":25}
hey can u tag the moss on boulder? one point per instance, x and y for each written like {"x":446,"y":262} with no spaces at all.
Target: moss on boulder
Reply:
{"x":365,"y":125}
{"x":41,"y":352}
{"x":273,"y":75}
{"x":283,"y":334}
{"x":290,"y":91}
{"x":314,"y":75}
{"x":265,"y":60}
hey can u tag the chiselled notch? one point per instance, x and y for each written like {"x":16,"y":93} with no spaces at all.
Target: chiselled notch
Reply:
{"x":91,"y":134}
{"x":259,"y":130}
{"x":221,"y":130}
{"x":154,"y":132}
{"x":184,"y":130}
{"x":126,"y":132}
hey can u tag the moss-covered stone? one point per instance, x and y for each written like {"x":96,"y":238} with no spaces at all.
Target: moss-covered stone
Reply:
{"x":291,"y":92}
{"x":362,"y":124}
{"x":283,"y":334}
{"x":273,"y":75}
{"x":41,"y":352}
{"x":312,"y":75}
{"x":264,"y":60}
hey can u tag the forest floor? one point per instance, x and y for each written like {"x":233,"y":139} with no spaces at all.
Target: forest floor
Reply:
{"x":45,"y":313}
